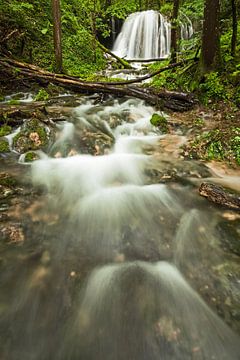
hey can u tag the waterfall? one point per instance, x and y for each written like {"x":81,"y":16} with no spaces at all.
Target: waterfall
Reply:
{"x":147,"y":35}
{"x":186,"y":27}
{"x":144,"y":35}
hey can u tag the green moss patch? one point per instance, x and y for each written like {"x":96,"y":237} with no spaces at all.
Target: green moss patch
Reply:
{"x":5,"y":130}
{"x":4,"y":146}
{"x":159,"y":121}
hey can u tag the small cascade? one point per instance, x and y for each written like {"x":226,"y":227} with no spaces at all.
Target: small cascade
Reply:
{"x":118,"y":258}
{"x":144,"y":35}
{"x":151,"y":313}
{"x":147,"y":35}
{"x":186,"y":27}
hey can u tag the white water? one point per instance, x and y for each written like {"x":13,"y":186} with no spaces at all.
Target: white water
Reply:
{"x":147,"y":35}
{"x":147,"y":311}
{"x":125,"y":305}
{"x":144,"y":35}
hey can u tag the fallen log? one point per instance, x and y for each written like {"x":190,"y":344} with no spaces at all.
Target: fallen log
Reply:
{"x":220,"y":196}
{"x":170,"y":100}
{"x":146,"y":60}
{"x":123,"y":62}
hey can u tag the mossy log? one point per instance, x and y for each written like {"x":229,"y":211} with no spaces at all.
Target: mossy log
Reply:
{"x":163,"y":99}
{"x":220,"y":196}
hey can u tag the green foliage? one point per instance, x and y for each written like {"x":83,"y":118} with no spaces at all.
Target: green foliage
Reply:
{"x":121,"y":9}
{"x":235,"y":144}
{"x":42,"y":95}
{"x":213,"y":87}
{"x":5,"y":130}
{"x":4,"y":146}
{"x":217,"y":145}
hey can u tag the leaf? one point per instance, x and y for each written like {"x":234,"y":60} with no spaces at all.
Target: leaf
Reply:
{"x":44,"y":31}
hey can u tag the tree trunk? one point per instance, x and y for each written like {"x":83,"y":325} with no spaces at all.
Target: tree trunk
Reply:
{"x":57,"y":34}
{"x":174,"y":30}
{"x":234,"y":28}
{"x":210,"y":56}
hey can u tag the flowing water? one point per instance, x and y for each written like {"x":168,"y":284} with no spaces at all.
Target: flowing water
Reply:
{"x":147,"y":35}
{"x":119,"y":259}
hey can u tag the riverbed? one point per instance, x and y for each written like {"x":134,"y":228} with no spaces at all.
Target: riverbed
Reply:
{"x":107,"y":250}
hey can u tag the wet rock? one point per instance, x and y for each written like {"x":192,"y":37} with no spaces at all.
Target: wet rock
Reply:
{"x":5,"y":192}
{"x":95,"y":143}
{"x":13,"y":233}
{"x":161,"y":122}
{"x":229,"y":235}
{"x":33,"y":136}
{"x":31,"y":156}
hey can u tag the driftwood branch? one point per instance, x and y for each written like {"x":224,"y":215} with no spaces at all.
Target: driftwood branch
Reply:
{"x":220,"y":196}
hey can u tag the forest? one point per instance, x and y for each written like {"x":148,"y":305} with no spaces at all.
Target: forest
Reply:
{"x":119,"y":179}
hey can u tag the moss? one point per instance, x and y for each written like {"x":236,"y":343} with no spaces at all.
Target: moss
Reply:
{"x":160,"y":121}
{"x":4,"y":146}
{"x":5,"y":130}
{"x":31,"y":156}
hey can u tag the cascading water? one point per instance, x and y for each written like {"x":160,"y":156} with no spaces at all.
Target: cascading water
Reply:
{"x":99,"y":275}
{"x":147,"y":35}
{"x":186,"y":27}
{"x":144,"y":35}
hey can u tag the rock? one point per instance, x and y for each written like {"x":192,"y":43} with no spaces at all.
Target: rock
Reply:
{"x":13,"y":233}
{"x":161,"y":122}
{"x":230,"y":236}
{"x":33,"y":136}
{"x":5,"y":192}
{"x":31,"y":156}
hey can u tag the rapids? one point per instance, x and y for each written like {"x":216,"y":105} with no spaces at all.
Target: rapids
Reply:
{"x":120,"y":261}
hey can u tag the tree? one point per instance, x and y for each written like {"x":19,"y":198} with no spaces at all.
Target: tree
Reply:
{"x":210,"y":55}
{"x":234,"y":27}
{"x":174,"y":30}
{"x":57,"y":34}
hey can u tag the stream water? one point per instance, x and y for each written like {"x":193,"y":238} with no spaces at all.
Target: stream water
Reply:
{"x":121,"y":259}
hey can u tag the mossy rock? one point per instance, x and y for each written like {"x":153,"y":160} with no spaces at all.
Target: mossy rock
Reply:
{"x":33,"y":136}
{"x":5,"y":130}
{"x":159,"y":121}
{"x":4,"y":146}
{"x":31,"y":156}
